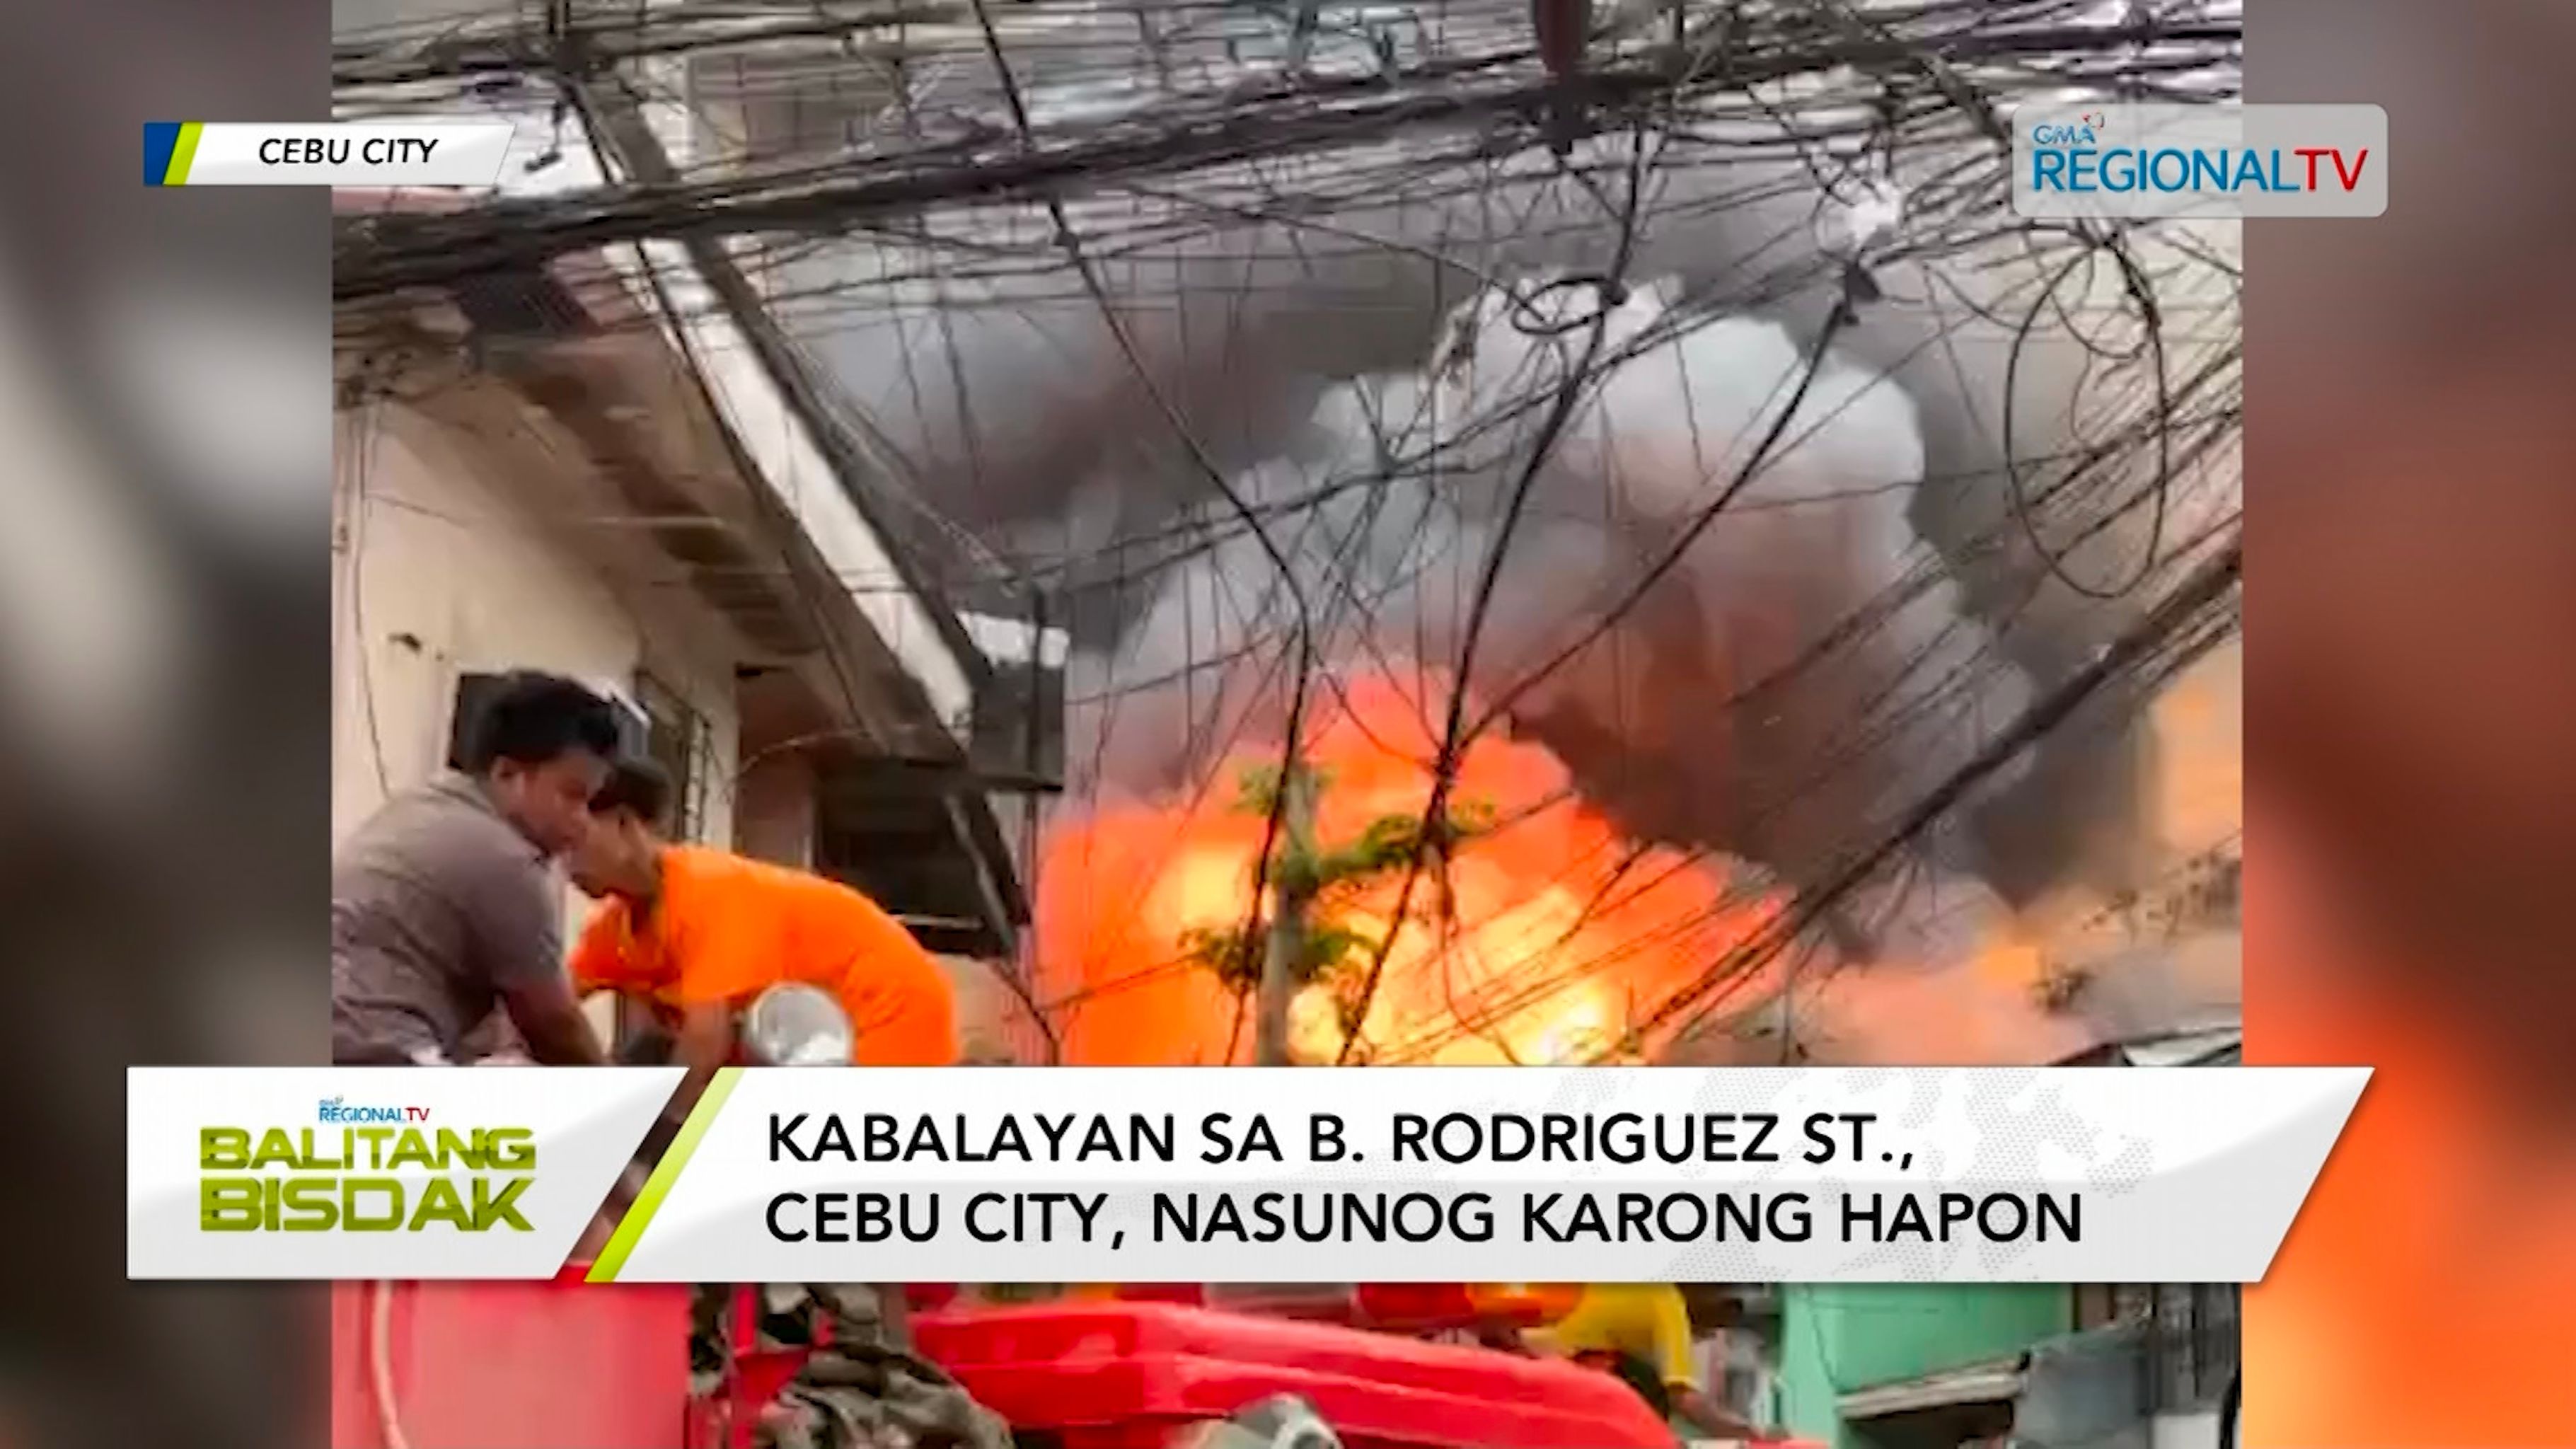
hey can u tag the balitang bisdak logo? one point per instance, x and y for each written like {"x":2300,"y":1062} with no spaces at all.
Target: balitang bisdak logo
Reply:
{"x":368,"y":1168}
{"x":2209,"y":160}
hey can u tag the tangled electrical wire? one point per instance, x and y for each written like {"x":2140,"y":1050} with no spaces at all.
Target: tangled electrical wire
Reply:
{"x":1068,"y":153}
{"x":1460,"y":89}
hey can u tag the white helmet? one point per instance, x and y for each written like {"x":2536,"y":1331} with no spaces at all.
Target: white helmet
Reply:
{"x":796,"y":1025}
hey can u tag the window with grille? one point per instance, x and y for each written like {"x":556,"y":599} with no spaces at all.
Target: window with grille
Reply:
{"x":797,"y":102}
{"x":677,"y":739}
{"x":2189,"y":1332}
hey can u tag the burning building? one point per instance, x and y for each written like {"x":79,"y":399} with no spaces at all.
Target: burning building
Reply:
{"x":1663,"y":738}
{"x":1743,"y":467}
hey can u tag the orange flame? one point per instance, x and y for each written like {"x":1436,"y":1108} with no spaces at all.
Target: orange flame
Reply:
{"x":1551,"y":941}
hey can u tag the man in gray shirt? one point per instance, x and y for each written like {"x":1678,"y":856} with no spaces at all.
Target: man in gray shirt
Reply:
{"x":442,"y":903}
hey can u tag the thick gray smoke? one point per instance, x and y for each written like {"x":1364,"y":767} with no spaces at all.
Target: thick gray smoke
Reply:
{"x":1026,"y":418}
{"x":1665,"y":690}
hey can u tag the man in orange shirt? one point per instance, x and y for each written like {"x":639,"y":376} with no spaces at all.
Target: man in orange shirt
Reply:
{"x":696,"y":934}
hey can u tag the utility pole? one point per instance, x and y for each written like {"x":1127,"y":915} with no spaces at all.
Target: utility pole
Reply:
{"x":1292,"y":885}
{"x":1266,"y":960}
{"x":1301,"y":34}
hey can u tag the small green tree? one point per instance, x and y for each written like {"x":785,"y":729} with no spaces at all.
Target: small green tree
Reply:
{"x":1298,"y":939}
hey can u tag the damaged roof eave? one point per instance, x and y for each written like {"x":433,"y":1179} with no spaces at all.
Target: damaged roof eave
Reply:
{"x":1993,"y":1382}
{"x":663,"y":294}
{"x":885,"y":661}
{"x":927,"y":703}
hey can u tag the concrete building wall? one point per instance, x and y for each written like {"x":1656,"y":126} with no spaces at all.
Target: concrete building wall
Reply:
{"x":775,"y":811}
{"x":441,"y":573}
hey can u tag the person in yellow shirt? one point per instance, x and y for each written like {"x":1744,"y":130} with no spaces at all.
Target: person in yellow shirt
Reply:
{"x":1642,"y":1333}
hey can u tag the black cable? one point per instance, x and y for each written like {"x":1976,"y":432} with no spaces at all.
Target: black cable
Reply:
{"x":2208,"y":585}
{"x":1433,"y":841}
{"x":1216,"y":127}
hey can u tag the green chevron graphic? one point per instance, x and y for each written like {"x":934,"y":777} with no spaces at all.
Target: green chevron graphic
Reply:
{"x":667,"y":1171}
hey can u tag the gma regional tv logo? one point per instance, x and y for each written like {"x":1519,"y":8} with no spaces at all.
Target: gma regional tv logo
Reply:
{"x":366,"y":1169}
{"x":2203,"y":161}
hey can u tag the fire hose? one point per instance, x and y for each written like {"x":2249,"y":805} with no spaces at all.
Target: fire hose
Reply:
{"x":380,"y":1319}
{"x":380,"y":1367}
{"x":853,"y":1389}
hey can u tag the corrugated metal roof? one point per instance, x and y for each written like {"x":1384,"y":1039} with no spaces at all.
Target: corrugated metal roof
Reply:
{"x":1987,"y":1383}
{"x":2195,"y":1049}
{"x":2208,"y":1046}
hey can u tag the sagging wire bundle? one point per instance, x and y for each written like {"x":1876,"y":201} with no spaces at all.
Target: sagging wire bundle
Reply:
{"x":1015,"y":162}
{"x":1787,"y":79}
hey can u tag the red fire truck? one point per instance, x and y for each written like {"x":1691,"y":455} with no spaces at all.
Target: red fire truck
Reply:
{"x":539,"y":1366}
{"x":546,"y":1365}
